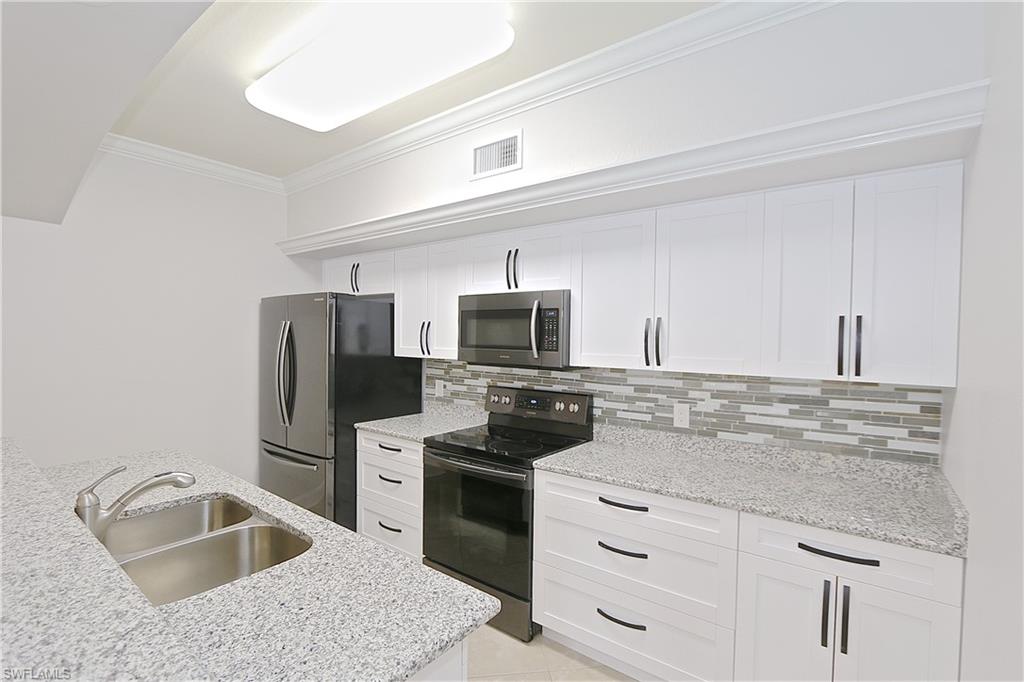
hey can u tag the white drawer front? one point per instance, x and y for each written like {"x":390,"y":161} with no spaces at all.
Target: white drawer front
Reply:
{"x":406,"y":451}
{"x":657,"y":512}
{"x":390,"y":481}
{"x":392,"y":527}
{"x":904,"y":569}
{"x":674,"y":646}
{"x":694,"y":577}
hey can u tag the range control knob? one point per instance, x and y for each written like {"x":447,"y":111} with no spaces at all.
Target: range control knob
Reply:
{"x":574,"y":407}
{"x":506,"y":400}
{"x":559,"y":406}
{"x":494,"y":398}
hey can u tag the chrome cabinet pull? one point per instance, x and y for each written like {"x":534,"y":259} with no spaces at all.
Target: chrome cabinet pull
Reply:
{"x":623,"y":505}
{"x":533,"y":328}
{"x":623,"y":623}
{"x":657,"y":342}
{"x":840,"y":557}
{"x":515,"y":269}
{"x":826,"y":595}
{"x":845,"y":635}
{"x":856,"y":357}
{"x":623,"y":552}
{"x":842,"y":333}
{"x":389,"y":480}
{"x":647,"y":343}
{"x":386,"y":527}
{"x":508,"y":279}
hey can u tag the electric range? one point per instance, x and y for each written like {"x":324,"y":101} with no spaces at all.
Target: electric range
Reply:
{"x":478,"y":493}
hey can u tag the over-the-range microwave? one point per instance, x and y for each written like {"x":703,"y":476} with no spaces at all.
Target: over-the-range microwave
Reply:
{"x":518,"y":329}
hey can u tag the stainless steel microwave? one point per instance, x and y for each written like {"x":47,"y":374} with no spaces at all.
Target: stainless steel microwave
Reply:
{"x":518,"y":329}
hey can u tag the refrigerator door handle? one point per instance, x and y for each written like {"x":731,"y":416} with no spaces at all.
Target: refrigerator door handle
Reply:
{"x":291,"y":462}
{"x":279,"y":374}
{"x":288,"y":392}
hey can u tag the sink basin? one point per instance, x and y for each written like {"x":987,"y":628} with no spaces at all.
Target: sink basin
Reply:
{"x":155,"y":529}
{"x":207,"y":562}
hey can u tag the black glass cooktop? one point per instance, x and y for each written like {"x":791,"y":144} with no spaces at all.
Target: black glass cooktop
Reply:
{"x":501,"y":444}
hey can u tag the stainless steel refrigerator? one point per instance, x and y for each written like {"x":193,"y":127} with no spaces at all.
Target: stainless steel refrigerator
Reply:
{"x":326,"y":363}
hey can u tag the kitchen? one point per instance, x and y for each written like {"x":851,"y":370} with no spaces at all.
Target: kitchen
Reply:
{"x":532,"y":370}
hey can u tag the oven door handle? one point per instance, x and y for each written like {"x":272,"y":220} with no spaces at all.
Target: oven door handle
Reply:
{"x":533,"y":328}
{"x":498,"y":473}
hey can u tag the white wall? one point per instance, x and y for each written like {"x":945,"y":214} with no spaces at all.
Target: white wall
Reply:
{"x":984,"y":451}
{"x":833,"y":60}
{"x":133,"y":326}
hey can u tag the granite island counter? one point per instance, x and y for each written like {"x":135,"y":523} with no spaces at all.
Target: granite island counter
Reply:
{"x":346,"y":608}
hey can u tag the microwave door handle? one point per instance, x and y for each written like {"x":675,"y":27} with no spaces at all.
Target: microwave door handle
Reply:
{"x":533,"y":328}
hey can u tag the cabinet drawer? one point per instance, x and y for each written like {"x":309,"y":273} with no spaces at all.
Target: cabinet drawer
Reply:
{"x":693,"y":577}
{"x":646,"y":510}
{"x":390,"y":481}
{"x":392,"y":527}
{"x":398,"y":449}
{"x":904,"y":569}
{"x":671,"y":645}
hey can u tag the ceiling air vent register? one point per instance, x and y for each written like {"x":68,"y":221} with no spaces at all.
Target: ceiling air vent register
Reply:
{"x":498,"y":156}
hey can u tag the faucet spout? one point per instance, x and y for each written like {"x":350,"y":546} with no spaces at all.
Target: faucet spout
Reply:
{"x":98,"y":520}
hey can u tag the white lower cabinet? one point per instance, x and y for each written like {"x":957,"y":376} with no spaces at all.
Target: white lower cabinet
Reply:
{"x":389,"y":491}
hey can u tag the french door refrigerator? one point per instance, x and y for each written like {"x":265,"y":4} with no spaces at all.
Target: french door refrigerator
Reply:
{"x":326,"y":363}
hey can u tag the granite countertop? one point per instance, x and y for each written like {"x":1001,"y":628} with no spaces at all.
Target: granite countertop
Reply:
{"x":436,"y":418}
{"x":347,"y":608}
{"x":904,"y":504}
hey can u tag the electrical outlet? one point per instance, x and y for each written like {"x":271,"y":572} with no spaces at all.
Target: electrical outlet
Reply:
{"x":439,"y":388}
{"x":681,"y":415}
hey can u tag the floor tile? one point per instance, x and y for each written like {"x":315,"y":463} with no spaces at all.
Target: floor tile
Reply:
{"x":559,"y":657}
{"x":515,"y":677}
{"x":599,"y":673}
{"x":492,"y":652}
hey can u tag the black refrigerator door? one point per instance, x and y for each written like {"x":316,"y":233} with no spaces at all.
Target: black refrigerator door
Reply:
{"x":273,"y":317}
{"x":369,"y":383}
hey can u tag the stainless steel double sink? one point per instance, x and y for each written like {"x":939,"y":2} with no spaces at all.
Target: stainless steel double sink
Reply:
{"x":181,"y":551}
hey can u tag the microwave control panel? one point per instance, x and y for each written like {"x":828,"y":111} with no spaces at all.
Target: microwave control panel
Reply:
{"x":549,"y":329}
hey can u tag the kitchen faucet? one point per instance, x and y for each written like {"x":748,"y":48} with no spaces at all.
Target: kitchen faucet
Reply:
{"x":98,"y":520}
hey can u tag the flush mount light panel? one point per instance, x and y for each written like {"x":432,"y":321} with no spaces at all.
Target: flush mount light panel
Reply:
{"x":372,"y":54}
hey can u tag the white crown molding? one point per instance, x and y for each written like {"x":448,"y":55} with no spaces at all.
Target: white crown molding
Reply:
{"x":172,"y":158}
{"x":920,"y":116}
{"x":713,"y":26}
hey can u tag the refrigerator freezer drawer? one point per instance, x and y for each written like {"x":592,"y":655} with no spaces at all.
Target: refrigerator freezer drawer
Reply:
{"x":300,"y":479}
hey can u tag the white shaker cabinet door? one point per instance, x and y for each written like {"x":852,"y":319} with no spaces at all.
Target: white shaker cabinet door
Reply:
{"x":412,"y":304}
{"x":886,"y":635}
{"x":708,"y":300}
{"x":784,"y":621}
{"x":339,"y":274}
{"x":374,"y":273}
{"x":807,"y":261}
{"x":612,"y":308}
{"x":444,"y":286}
{"x":489,"y":264}
{"x":533,"y":259}
{"x":906,"y":276}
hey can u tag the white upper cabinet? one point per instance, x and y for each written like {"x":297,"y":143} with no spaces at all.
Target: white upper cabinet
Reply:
{"x":708,"y":291}
{"x":612,"y":308}
{"x":906,"y":276}
{"x":361,"y":274}
{"x":428,"y":282}
{"x":808,"y":249}
{"x":412,"y":308}
{"x":523,"y":260}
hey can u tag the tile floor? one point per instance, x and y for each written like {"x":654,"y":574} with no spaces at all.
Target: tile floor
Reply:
{"x":493,"y":655}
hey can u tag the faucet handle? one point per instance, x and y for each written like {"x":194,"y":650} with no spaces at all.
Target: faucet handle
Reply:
{"x":87,"y":496}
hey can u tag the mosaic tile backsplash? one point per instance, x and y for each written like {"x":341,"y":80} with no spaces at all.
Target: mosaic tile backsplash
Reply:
{"x":899,"y":423}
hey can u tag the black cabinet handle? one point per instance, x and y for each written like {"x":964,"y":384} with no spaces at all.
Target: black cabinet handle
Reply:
{"x":842,"y":333}
{"x":840,"y":557}
{"x":826,"y":595}
{"x":422,"y":352}
{"x":508,"y":280}
{"x":657,"y":342}
{"x":647,"y":336}
{"x":355,"y":276}
{"x":393,"y":530}
{"x":515,"y":268}
{"x":625,"y":624}
{"x":623,"y":505}
{"x":844,"y":636}
{"x":389,"y":480}
{"x":623,"y":552}
{"x":856,"y":357}
{"x":352,"y":278}
{"x":426,"y":337}
{"x":388,"y":448}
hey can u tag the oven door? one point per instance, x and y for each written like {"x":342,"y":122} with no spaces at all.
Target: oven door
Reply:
{"x":524,"y":329}
{"x":476,"y":520}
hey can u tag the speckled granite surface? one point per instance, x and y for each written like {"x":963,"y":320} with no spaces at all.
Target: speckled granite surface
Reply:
{"x":904,"y":504}
{"x":68,"y":610}
{"x":347,"y":608}
{"x":436,"y":418}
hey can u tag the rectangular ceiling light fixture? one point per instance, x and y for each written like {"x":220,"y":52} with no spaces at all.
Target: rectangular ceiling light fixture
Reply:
{"x":371,"y":54}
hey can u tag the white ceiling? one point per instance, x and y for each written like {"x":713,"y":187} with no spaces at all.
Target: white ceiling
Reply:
{"x":193,"y":101}
{"x":69,"y":70}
